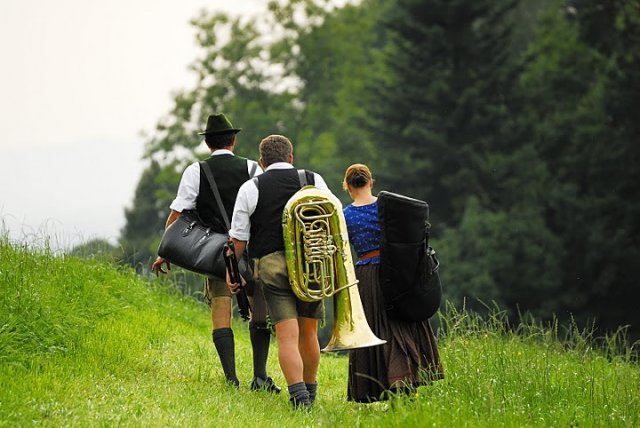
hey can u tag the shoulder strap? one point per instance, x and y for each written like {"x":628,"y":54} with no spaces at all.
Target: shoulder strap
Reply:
{"x":216,"y":192}
{"x":302,"y":176}
{"x":254,"y":167}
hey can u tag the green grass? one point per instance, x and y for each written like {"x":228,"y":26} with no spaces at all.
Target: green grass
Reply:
{"x":85,"y":343}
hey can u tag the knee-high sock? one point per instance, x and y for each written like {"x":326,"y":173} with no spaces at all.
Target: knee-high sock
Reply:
{"x":260,"y":340}
{"x":225,"y":345}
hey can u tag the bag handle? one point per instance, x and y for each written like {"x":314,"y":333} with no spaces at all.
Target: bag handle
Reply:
{"x":212,"y":183}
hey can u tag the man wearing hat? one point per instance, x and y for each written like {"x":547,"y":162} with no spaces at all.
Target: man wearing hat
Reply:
{"x":194,"y":193}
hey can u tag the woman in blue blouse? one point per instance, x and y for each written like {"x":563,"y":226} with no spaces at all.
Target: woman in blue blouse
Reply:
{"x":410,"y":357}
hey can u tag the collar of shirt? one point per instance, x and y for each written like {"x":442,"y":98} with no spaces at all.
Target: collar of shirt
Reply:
{"x":219,"y":152}
{"x":279,"y":165}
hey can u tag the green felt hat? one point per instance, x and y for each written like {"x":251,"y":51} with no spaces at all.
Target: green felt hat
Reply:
{"x":218,"y":124}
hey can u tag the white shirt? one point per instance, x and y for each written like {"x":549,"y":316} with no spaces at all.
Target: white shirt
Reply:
{"x":247,"y":201}
{"x":190,"y":183}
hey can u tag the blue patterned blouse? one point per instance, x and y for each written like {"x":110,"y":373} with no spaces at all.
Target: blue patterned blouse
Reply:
{"x":364,"y":230}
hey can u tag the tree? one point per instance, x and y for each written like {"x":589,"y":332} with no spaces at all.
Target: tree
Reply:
{"x":445,"y":106}
{"x":336,"y":61}
{"x":582,"y":87}
{"x":449,"y":115}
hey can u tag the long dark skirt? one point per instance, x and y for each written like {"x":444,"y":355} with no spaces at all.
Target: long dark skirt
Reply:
{"x":409,"y":358}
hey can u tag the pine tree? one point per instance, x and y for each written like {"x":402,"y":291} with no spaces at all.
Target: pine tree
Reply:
{"x":449,"y":122}
{"x":583,"y":86}
{"x":445,"y":107}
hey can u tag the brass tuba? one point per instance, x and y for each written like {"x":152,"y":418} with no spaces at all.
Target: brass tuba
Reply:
{"x":319,"y":262}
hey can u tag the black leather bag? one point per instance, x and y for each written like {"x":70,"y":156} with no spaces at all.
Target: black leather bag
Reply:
{"x":192,"y":245}
{"x":409,"y":275}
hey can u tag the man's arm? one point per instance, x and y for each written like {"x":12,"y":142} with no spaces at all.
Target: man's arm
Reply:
{"x":233,"y":277}
{"x":156,"y":267}
{"x":246,"y":202}
{"x":238,"y":247}
{"x":173,"y":216}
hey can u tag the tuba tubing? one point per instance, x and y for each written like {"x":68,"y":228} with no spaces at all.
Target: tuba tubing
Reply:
{"x":320,"y":265}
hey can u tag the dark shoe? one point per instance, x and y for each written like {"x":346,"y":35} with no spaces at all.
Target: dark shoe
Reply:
{"x":233,"y":382}
{"x":266,"y":384}
{"x":300,"y":404}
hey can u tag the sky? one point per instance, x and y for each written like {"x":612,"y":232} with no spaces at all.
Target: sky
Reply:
{"x":80,"y":81}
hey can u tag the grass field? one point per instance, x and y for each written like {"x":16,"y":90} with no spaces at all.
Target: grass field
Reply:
{"x":86,"y":343}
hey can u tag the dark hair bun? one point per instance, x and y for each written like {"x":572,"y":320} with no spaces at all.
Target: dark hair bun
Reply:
{"x":358,"y":179}
{"x":357,"y":176}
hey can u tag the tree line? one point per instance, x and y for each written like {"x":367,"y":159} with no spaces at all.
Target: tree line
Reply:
{"x":518,"y":122}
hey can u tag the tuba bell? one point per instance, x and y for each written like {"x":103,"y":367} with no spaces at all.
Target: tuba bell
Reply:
{"x":320,"y":265}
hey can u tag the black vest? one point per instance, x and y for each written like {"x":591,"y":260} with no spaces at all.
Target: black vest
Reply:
{"x":275,"y":188}
{"x":230,"y":172}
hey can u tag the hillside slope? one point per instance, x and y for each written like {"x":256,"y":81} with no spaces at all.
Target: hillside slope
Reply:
{"x":85,"y":343}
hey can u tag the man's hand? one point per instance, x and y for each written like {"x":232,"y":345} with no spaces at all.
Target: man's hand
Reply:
{"x":156,"y":267}
{"x":235,"y":287}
